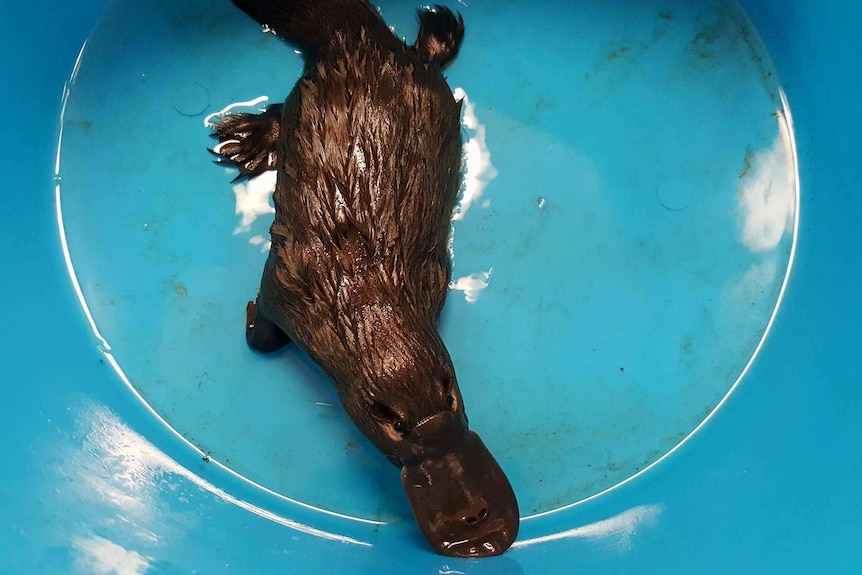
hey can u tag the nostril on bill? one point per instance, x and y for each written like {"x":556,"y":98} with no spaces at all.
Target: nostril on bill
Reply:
{"x":471,"y":519}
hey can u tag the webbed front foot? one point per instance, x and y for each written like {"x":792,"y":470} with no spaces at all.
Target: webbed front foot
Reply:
{"x":261,"y":333}
{"x":248,"y":141}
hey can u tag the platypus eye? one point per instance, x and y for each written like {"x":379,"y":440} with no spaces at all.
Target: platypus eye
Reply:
{"x":453,"y":402}
{"x":383,"y":413}
{"x":449,"y":383}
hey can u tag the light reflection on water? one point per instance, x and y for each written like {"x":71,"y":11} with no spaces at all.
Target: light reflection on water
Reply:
{"x":122,"y":476}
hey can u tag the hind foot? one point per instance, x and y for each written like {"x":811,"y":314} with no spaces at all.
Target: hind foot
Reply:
{"x":248,"y":141}
{"x":440,"y":35}
{"x":261,"y":334}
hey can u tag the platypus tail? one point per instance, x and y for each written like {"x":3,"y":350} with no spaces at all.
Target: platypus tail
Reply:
{"x":312,"y":24}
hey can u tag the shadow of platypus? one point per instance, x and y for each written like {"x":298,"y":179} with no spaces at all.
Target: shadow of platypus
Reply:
{"x":367,"y":149}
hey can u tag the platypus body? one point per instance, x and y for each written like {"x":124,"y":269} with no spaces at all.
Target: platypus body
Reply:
{"x":367,"y":149}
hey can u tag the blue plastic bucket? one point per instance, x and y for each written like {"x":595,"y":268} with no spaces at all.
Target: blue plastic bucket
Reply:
{"x":654,"y":242}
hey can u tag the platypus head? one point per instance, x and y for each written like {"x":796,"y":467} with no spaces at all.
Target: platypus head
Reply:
{"x":414,"y":413}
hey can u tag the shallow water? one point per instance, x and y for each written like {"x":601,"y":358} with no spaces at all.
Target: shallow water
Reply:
{"x":627,"y":226}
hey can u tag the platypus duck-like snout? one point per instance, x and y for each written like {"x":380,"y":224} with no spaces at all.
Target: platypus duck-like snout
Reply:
{"x":461,"y":498}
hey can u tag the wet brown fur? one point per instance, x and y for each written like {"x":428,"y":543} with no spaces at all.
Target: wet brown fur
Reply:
{"x":368,"y":159}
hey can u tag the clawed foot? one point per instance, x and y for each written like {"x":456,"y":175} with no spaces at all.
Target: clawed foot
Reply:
{"x":248,"y":141}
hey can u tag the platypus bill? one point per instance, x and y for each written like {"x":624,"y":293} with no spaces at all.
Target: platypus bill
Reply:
{"x":367,"y":149}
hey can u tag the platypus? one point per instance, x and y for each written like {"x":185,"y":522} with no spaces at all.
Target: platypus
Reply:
{"x":367,"y":149}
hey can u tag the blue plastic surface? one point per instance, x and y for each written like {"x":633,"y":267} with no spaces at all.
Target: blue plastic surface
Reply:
{"x":92,"y":482}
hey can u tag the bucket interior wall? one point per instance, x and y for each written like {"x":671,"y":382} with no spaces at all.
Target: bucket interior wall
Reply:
{"x":94,"y":481}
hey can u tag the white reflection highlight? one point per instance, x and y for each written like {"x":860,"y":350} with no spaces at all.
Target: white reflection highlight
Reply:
{"x":78,"y":60}
{"x":472,"y":285}
{"x":67,"y":91}
{"x":477,"y":159}
{"x":127,"y":471}
{"x":253,"y":200}
{"x":98,"y":556}
{"x":757,"y":278}
{"x":76,"y":285}
{"x":64,"y":244}
{"x":217,"y":148}
{"x":208,"y":121}
{"x":766,"y":192}
{"x":261,"y":241}
{"x":619,"y":528}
